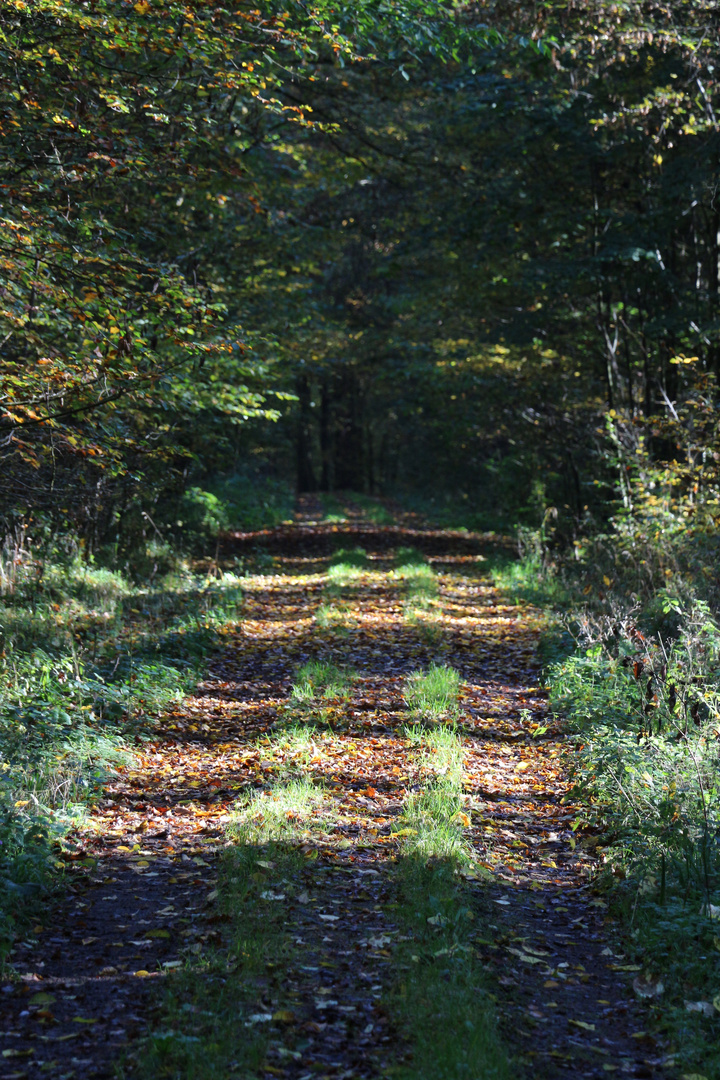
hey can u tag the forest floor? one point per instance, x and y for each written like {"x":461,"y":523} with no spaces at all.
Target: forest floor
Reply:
{"x":84,"y":992}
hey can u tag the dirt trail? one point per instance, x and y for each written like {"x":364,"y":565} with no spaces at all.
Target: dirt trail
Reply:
{"x":86,"y":983}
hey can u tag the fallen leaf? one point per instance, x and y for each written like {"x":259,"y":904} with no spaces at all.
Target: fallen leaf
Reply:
{"x":525,"y":957}
{"x":582,"y":1024}
{"x":704,"y":1007}
{"x":258,"y":1018}
{"x":284,"y":1016}
{"x":43,"y":998}
{"x":645,"y":987}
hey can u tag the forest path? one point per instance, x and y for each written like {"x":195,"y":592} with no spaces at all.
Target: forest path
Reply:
{"x":85,"y":986}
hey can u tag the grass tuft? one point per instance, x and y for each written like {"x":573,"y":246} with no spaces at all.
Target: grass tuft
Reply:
{"x":433,"y":694}
{"x":433,"y":820}
{"x":285,"y":812}
{"x":346,"y":568}
{"x":320,"y":678}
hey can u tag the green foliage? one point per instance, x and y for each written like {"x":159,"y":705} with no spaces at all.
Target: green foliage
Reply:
{"x":202,"y":516}
{"x":635,"y":675}
{"x":255,"y":501}
{"x":648,"y":709}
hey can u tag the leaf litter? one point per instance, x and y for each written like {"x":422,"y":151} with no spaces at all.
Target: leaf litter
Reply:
{"x":83,"y":992}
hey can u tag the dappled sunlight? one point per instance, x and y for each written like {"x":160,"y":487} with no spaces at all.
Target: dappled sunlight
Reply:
{"x":410,"y":724}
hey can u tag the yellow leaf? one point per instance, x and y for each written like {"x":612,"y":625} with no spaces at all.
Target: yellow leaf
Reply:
{"x":582,"y":1024}
{"x":43,"y":998}
{"x":607,"y":581}
{"x":158,"y":934}
{"x":142,"y":7}
{"x":283,"y":1016}
{"x":142,"y":972}
{"x":83,"y":1020}
{"x":464,"y":819}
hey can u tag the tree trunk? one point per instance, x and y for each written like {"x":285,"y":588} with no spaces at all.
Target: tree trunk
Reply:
{"x":305,"y":471}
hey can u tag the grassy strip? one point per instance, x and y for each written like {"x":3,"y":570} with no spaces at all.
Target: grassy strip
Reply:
{"x":441,"y":1001}
{"x":213,"y":1022}
{"x":421,"y":590}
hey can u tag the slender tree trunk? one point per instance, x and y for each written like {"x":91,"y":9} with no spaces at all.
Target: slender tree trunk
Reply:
{"x":325,"y":438}
{"x":304,"y":458}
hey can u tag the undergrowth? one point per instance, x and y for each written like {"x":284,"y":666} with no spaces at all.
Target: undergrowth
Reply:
{"x":89,"y":662}
{"x":632,"y":664}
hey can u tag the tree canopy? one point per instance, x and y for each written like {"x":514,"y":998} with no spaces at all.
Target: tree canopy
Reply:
{"x":427,"y":238}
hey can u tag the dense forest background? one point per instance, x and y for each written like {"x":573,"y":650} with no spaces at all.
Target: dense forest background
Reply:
{"x":406,"y":249}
